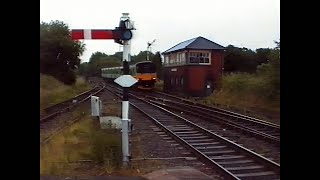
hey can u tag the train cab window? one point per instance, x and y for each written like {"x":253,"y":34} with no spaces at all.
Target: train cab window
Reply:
{"x":146,"y":68}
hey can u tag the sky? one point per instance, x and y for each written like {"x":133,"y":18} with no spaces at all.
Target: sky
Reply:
{"x":247,"y":23}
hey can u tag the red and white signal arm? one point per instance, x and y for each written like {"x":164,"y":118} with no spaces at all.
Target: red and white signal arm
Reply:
{"x":93,"y":34}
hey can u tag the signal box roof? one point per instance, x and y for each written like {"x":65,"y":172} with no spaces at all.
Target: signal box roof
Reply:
{"x":195,"y":43}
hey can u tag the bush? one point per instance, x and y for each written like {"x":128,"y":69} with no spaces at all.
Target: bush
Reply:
{"x":242,"y":84}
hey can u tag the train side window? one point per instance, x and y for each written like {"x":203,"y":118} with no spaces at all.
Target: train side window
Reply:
{"x":181,"y":80}
{"x":177,"y":81}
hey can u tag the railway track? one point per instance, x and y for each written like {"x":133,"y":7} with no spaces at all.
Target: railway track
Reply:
{"x":231,"y":159}
{"x":256,"y":127}
{"x":261,"y":130}
{"x":258,"y":136}
{"x":55,"y":110}
{"x":216,"y":109}
{"x":49,"y":127}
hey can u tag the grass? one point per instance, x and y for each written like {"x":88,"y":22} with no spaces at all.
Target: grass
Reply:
{"x":244,"y":93}
{"x":53,"y":91}
{"x":64,"y":148}
{"x":248,"y":94}
{"x":84,"y":140}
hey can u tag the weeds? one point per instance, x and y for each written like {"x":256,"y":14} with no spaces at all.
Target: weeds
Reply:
{"x":53,"y":91}
{"x":81,"y":141}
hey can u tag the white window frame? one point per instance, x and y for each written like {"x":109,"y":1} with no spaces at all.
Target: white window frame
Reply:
{"x":178,"y":58}
{"x":196,"y":53}
{"x":166,"y":59}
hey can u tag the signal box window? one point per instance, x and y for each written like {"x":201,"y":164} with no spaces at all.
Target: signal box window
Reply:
{"x":199,"y":58}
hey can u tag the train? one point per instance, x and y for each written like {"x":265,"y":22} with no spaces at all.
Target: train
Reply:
{"x":144,"y":72}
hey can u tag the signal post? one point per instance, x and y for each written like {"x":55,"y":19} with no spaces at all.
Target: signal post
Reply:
{"x":121,"y":35}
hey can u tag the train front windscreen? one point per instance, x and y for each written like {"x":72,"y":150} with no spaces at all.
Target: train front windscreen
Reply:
{"x":146,"y":68}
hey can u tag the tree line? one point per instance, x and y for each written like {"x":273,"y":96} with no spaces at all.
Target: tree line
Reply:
{"x":246,"y":60}
{"x":60,"y":56}
{"x":100,"y":60}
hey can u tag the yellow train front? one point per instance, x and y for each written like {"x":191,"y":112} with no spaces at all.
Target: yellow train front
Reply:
{"x":145,"y":73}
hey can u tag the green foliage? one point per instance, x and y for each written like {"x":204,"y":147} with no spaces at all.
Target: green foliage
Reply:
{"x":245,"y":60}
{"x":100,"y":60}
{"x":142,"y":56}
{"x":106,"y":146}
{"x":158,"y":62}
{"x":265,"y":83}
{"x":59,"y":54}
{"x":237,"y":82}
{"x":117,"y":55}
{"x":53,"y":91}
{"x":258,"y":91}
{"x":96,"y":56}
{"x":83,"y":140}
{"x":270,"y":72}
{"x":262,"y":55}
{"x":239,"y":60}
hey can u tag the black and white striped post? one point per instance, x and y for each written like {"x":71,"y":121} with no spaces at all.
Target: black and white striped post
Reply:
{"x":125,"y":81}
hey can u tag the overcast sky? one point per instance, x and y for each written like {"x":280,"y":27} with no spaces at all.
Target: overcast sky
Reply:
{"x":246,"y":23}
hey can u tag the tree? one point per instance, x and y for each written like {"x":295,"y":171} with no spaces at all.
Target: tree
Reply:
{"x":239,"y":60}
{"x":142,"y":56}
{"x":262,"y":55}
{"x":99,"y":60}
{"x":59,"y":54}
{"x":271,"y":72}
{"x":158,"y":62}
{"x":278,"y":45}
{"x":96,"y":57}
{"x":117,"y":55}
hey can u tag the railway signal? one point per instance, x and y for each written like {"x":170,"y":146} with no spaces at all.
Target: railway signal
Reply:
{"x":121,"y":35}
{"x":149,"y":48}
